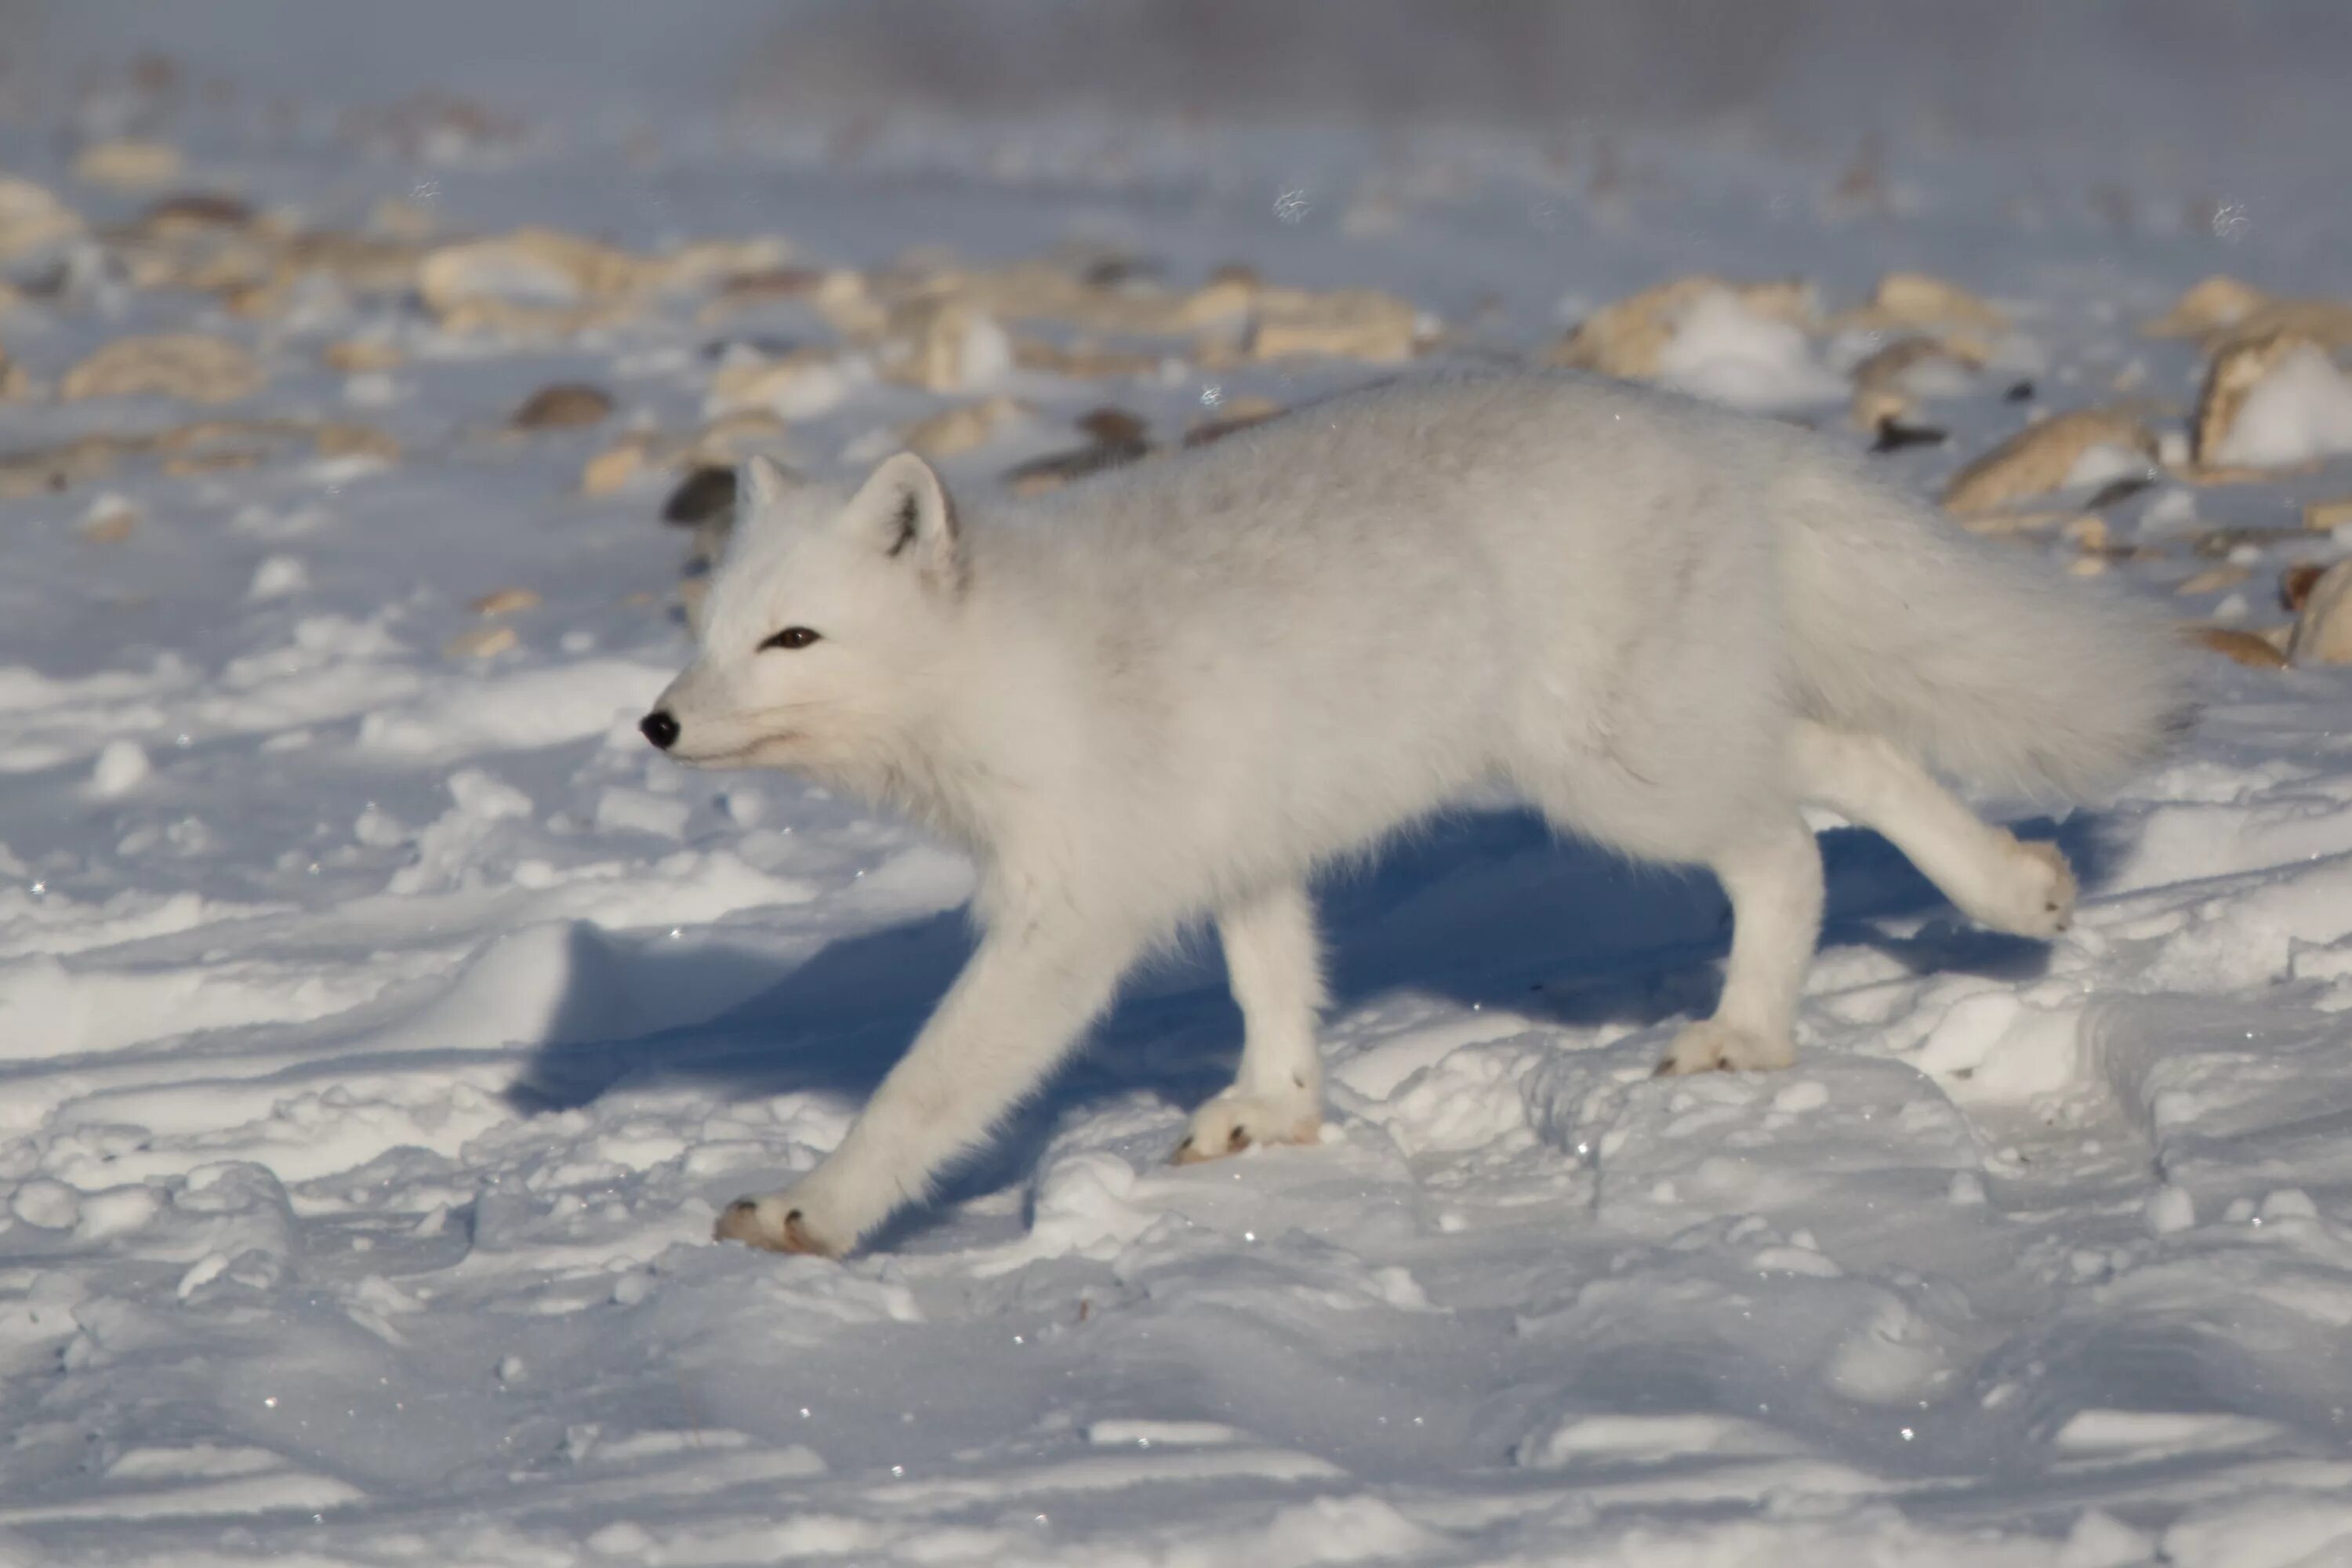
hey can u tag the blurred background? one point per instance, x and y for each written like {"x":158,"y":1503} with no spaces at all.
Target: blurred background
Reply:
{"x":2192,"y":82}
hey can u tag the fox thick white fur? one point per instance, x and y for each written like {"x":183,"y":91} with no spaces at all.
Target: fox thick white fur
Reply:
{"x":1179,"y":688}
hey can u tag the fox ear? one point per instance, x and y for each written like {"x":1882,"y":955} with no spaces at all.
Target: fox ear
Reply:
{"x":904,"y":511}
{"x":762,"y":481}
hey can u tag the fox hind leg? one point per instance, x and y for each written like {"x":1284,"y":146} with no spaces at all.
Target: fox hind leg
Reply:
{"x":1276,"y":968}
{"x":1773,"y":879}
{"x":1994,"y":878}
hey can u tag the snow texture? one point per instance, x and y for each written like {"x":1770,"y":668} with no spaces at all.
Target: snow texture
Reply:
{"x":381,"y":1030}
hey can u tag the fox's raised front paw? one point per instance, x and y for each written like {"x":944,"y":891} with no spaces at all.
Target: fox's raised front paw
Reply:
{"x":1233,"y":1123}
{"x":774,"y":1225}
{"x":1713,"y":1046}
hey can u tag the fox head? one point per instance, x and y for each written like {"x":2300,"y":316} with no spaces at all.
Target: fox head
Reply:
{"x":824,"y":626}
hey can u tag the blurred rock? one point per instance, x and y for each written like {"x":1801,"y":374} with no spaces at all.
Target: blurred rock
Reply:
{"x":963,"y":428}
{"x":2304,"y":414}
{"x":2323,"y":632}
{"x":127,"y":164}
{"x":2044,"y":457}
{"x":505,"y":601}
{"x":188,"y":366}
{"x":1233,"y":415}
{"x":1626,"y":339}
{"x":2243,"y":647}
{"x":2328,"y":514}
{"x":565,"y":405}
{"x":1915,"y":299}
{"x":32,"y":219}
{"x":480,"y":642}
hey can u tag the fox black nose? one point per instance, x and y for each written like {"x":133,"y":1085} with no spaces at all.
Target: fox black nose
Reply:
{"x":659,"y":728}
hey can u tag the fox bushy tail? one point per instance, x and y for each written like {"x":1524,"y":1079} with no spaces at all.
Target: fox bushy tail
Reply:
{"x":1977,"y":656}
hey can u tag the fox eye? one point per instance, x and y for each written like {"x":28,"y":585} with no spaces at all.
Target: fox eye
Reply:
{"x":790,"y":636}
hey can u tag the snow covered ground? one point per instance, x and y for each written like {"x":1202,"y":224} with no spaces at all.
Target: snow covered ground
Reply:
{"x":381,"y":1022}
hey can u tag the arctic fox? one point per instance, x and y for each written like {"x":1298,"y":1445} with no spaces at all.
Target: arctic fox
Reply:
{"x":1178,"y":688}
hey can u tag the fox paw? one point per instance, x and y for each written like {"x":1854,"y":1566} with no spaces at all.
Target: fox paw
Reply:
{"x":1713,"y":1046}
{"x":2032,"y":892}
{"x":773,"y":1224}
{"x":1233,"y":1123}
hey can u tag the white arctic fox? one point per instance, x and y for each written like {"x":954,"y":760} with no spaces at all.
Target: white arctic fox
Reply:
{"x":1179,"y":688}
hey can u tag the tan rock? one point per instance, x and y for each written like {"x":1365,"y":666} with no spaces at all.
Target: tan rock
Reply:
{"x":2245,"y":647}
{"x":109,"y":519}
{"x":480,"y":642}
{"x":2215,"y":580}
{"x":614,"y":467}
{"x":127,"y":164}
{"x":1626,"y":338}
{"x":16,"y":383}
{"x":2323,"y":631}
{"x":1082,"y":360}
{"x":731,"y":437}
{"x":2323,"y":515}
{"x":2039,"y":457}
{"x":1878,"y":393}
{"x":2297,"y":581}
{"x":2217,"y":302}
{"x":48,"y":469}
{"x":190,"y":366}
{"x":506,"y":602}
{"x":564,"y":405}
{"x":337,"y":439}
{"x":193,"y":213}
{"x":800,"y":384}
{"x":1351,"y":323}
{"x":1915,"y":299}
{"x":534,"y":282}
{"x":946,"y":345}
{"x":358,"y":357}
{"x":32,"y":217}
{"x":962,"y":428}
{"x":2230,"y":379}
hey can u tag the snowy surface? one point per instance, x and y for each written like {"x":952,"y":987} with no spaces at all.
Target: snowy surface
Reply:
{"x":380,"y":1029}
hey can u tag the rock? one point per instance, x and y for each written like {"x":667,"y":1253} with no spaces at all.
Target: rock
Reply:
{"x":505,"y":601}
{"x":614,"y":467}
{"x":731,"y":437}
{"x":962,"y":428}
{"x":2042,"y":458}
{"x":32,"y":219}
{"x":1627,"y":338}
{"x":1083,"y":360}
{"x":361,"y":356}
{"x":48,"y":469}
{"x":2243,"y":647}
{"x":947,"y":346}
{"x":480,"y":642}
{"x":189,"y":365}
{"x":2300,"y":404}
{"x":16,"y":382}
{"x":2297,"y":581}
{"x":193,"y":212}
{"x":1107,"y":425}
{"x":2220,"y":311}
{"x":108,"y":520}
{"x":532,"y":281}
{"x":2215,"y":303}
{"x":800,"y":384}
{"x":127,"y":164}
{"x":565,"y":405}
{"x":1917,"y":300}
{"x":335,"y":439}
{"x":2323,"y":631}
{"x":2214,"y":579}
{"x":1351,"y":324}
{"x":1895,"y":436}
{"x":705,"y":495}
{"x":2328,"y":514}
{"x":1883,"y":383}
{"x":1233,"y":415}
